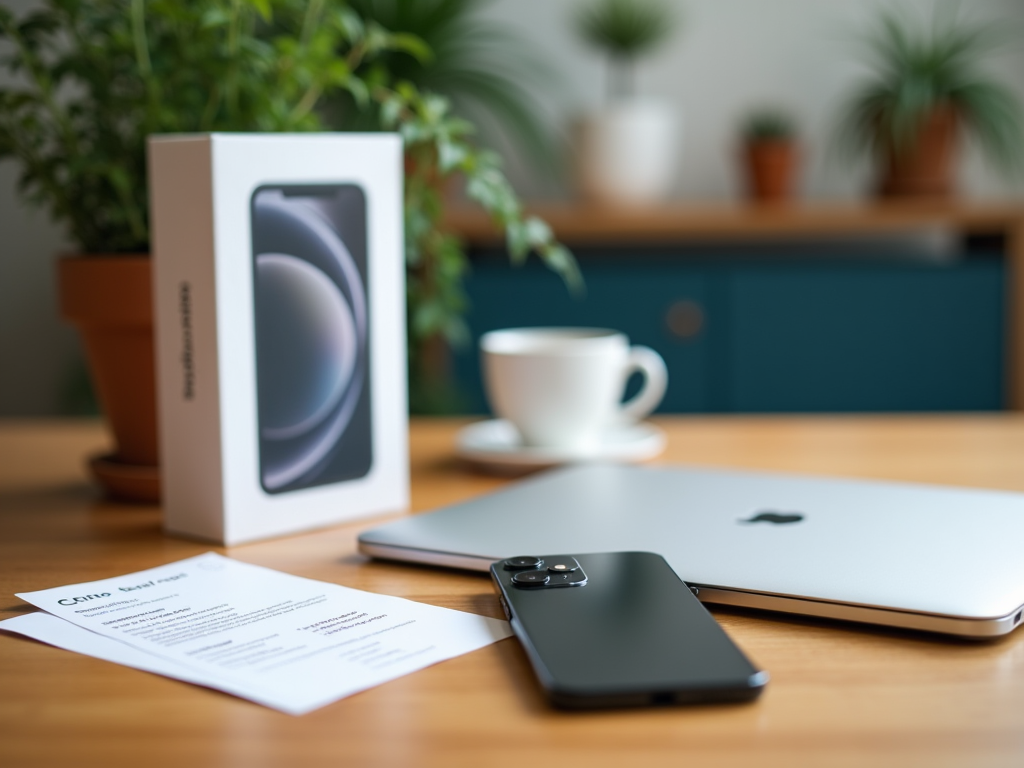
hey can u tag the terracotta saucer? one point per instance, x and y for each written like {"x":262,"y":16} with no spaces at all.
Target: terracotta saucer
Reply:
{"x":126,"y":482}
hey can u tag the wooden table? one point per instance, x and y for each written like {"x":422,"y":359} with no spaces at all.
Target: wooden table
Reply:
{"x":840,"y":695}
{"x":685,"y":221}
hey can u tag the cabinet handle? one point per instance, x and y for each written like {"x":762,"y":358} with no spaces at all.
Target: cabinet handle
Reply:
{"x":684,"y":319}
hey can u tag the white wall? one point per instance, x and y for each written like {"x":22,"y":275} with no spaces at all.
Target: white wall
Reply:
{"x":729,"y":56}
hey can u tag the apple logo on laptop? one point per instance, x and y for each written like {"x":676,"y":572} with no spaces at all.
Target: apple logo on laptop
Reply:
{"x":776,"y":518}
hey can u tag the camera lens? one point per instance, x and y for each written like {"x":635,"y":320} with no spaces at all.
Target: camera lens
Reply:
{"x":522,"y":563}
{"x":531,"y":578}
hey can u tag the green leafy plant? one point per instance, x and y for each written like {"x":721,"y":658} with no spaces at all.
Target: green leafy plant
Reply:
{"x":93,"y":78}
{"x":918,"y":70}
{"x":769,"y":125}
{"x":625,"y":30}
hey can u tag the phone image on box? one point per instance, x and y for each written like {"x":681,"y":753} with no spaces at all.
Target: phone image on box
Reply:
{"x":309,"y":262}
{"x":619,"y":629}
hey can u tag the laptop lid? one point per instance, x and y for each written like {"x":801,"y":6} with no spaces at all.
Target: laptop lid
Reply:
{"x":916,"y":556}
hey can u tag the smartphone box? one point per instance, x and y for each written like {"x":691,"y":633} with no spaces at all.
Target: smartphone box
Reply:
{"x":279,"y":291}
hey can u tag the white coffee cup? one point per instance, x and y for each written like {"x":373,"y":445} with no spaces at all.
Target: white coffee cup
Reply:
{"x":563,"y":387}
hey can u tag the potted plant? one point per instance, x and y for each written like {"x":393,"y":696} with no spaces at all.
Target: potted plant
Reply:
{"x":769,"y":155}
{"x":626,"y":153}
{"x":927,"y":89}
{"x":94,"y":78}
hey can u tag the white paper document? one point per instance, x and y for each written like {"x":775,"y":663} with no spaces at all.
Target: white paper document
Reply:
{"x":290,"y":643}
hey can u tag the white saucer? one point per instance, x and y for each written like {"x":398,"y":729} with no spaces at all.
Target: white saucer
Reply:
{"x":496,"y":445}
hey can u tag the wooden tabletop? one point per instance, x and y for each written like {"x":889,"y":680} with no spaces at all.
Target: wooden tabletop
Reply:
{"x":840,"y":694}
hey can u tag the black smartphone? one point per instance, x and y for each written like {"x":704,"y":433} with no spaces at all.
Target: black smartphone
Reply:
{"x":619,"y":629}
{"x":312,"y":333}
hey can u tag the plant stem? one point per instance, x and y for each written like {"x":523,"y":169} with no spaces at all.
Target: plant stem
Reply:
{"x":306,"y":103}
{"x":312,"y":95}
{"x":210,"y":110}
{"x":355,"y":56}
{"x":141,"y":44}
{"x":232,"y":77}
{"x":139,"y":38}
{"x":130,"y":205}
{"x":309,"y":21}
{"x":621,"y":78}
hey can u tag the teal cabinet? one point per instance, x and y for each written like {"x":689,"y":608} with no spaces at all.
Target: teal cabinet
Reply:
{"x":866,"y":338}
{"x":749,"y":333}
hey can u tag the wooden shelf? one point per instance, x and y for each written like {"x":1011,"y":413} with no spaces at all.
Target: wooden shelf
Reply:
{"x":578,"y":223}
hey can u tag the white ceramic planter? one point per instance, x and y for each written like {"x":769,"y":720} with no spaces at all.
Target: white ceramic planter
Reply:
{"x":628,"y":153}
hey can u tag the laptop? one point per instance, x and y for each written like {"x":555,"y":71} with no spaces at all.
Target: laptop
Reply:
{"x":920,"y":557}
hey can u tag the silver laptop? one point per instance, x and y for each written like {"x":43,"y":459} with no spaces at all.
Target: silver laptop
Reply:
{"x":920,"y":557}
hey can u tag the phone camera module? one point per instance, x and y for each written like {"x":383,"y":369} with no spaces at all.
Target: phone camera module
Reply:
{"x":531,"y":578}
{"x":523,"y":563}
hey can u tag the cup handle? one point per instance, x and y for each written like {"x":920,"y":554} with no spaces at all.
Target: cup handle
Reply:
{"x":648,"y":362}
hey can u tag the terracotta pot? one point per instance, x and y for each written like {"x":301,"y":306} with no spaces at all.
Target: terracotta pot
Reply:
{"x":110,"y":300}
{"x":924,"y":167}
{"x":771,"y":169}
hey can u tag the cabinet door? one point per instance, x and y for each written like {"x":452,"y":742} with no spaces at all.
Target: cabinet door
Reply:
{"x":653,"y":301}
{"x":873,"y":337}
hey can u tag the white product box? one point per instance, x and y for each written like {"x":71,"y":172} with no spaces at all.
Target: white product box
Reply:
{"x":279,"y":289}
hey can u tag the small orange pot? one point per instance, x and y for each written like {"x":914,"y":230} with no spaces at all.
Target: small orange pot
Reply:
{"x":109,"y":299}
{"x":771,"y":169}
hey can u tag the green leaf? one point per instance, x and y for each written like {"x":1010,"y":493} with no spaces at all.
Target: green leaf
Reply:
{"x":358,"y":89}
{"x":411,"y":44}
{"x":216,"y":16}
{"x":537,"y":231}
{"x":390,"y":111}
{"x":351,"y":25}
{"x":263,"y":8}
{"x":560,"y":259}
{"x":518,"y":241}
{"x":450,"y":155}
